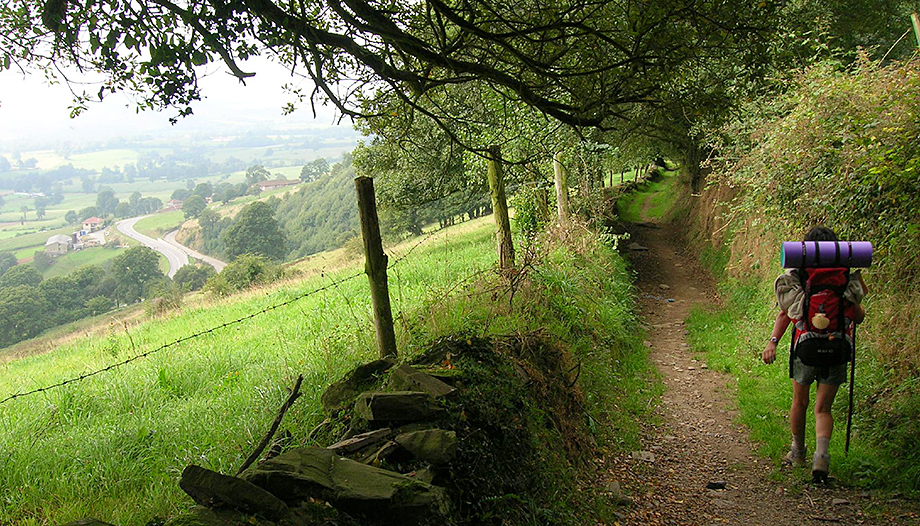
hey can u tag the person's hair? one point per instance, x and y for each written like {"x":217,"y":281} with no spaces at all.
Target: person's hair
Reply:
{"x":820,"y":233}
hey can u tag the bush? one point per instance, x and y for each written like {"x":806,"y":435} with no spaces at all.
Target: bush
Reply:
{"x":193,"y":277}
{"x":243,"y":272}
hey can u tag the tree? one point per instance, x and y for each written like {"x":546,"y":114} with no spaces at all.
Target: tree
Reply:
{"x":314,"y":169}
{"x":106,"y":201}
{"x":88,"y":212}
{"x":255,"y":231}
{"x":22,"y":313}
{"x":70,"y":217}
{"x":21,"y":275}
{"x":25,"y":210}
{"x":203,"y":189}
{"x":7,"y":261}
{"x":42,"y":261}
{"x":134,"y":271}
{"x":256,"y":174}
{"x":123,"y":209}
{"x":193,"y":206}
{"x":580,"y":62}
{"x":193,"y":277}
{"x":5,"y":165}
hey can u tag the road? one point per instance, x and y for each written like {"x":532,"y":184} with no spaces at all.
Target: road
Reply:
{"x":216,"y":263}
{"x":176,"y":257}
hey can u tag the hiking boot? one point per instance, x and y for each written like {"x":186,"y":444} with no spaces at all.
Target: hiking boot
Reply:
{"x":820,"y":467}
{"x":795,"y":457}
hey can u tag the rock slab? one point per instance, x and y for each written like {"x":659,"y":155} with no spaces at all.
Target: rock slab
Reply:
{"x":407,"y":378}
{"x":431,"y":445}
{"x":345,"y":390}
{"x":313,"y":473}
{"x":350,"y":445}
{"x":210,"y":488}
{"x":399,"y":406}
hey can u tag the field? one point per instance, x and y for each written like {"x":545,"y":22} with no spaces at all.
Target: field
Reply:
{"x":199,"y":402}
{"x":207,"y":401}
{"x":156,"y":225}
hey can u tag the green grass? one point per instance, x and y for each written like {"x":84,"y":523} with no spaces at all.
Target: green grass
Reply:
{"x":156,"y":225}
{"x":66,"y":264}
{"x":653,"y":200}
{"x":112,"y":446}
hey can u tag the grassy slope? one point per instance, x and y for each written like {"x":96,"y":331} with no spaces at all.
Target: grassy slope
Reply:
{"x":208,"y":400}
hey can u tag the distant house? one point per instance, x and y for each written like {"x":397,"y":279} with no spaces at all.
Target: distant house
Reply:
{"x":173,"y":204}
{"x":92,"y":224}
{"x":277,"y":183}
{"x":57,"y":245}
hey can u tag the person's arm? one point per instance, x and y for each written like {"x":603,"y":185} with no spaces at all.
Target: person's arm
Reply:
{"x":779,"y":328}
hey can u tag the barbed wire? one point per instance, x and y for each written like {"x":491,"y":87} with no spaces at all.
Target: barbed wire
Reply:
{"x":332,"y":284}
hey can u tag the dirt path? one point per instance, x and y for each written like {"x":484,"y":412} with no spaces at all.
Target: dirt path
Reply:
{"x":698,"y":441}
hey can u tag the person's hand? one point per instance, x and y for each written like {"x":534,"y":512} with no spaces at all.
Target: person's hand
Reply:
{"x":769,"y":353}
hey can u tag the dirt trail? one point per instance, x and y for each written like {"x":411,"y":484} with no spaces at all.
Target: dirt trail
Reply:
{"x":699,"y":441}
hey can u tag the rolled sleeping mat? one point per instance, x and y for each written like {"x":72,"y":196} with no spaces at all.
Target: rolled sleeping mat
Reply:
{"x":799,"y":254}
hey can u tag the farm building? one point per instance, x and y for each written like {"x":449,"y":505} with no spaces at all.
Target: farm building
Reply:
{"x":57,"y":245}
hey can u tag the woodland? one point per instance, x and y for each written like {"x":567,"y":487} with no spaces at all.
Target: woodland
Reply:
{"x":776,"y":115}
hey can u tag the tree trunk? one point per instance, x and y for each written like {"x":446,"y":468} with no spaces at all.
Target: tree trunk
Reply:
{"x":694,"y":155}
{"x":376,"y":267}
{"x":562,"y":189}
{"x":500,"y":206}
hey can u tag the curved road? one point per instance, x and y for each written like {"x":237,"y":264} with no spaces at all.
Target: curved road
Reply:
{"x":214,"y":262}
{"x":177,"y":258}
{"x":175,"y":253}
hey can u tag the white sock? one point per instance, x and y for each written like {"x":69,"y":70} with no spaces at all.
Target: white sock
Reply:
{"x":821,"y":446}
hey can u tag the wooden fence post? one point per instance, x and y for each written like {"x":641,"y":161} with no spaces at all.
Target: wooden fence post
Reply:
{"x":915,"y":20}
{"x":500,"y":208}
{"x":562,"y":189}
{"x":375,"y":267}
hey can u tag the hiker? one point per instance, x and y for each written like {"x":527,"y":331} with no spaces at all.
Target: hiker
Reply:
{"x":790,"y":297}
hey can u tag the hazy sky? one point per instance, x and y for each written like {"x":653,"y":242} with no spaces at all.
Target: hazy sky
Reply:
{"x":31,"y":110}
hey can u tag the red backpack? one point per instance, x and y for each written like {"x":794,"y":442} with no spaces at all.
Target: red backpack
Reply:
{"x":824,"y":335}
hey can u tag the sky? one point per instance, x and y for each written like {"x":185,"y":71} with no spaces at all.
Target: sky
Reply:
{"x":32,"y":110}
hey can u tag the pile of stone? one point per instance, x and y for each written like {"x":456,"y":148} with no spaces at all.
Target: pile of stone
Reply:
{"x":344,"y":482}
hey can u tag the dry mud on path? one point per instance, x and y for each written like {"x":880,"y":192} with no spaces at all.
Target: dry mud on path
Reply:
{"x":698,"y":442}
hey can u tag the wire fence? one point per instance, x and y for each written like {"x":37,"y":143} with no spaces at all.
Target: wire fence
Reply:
{"x":331,"y":285}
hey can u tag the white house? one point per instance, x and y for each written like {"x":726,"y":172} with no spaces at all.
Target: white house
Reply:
{"x":57,"y":245}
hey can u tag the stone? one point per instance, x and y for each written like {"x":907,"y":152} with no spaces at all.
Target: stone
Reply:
{"x":664,"y":286}
{"x":645,"y":456}
{"x":361,"y":441}
{"x":89,"y":521}
{"x":716,"y":484}
{"x":425,"y":474}
{"x":345,"y":390}
{"x":210,"y":488}
{"x":407,"y":378}
{"x":302,"y":474}
{"x":432,"y":445}
{"x":637,"y":247}
{"x":380,"y":454}
{"x":840,"y":502}
{"x":399,"y":406}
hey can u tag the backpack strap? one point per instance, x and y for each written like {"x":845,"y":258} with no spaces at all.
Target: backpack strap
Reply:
{"x":792,"y":353}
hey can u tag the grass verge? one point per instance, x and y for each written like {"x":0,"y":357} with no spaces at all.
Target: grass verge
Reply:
{"x":112,"y":446}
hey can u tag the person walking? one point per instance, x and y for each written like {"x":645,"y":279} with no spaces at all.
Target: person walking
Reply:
{"x":791,"y":299}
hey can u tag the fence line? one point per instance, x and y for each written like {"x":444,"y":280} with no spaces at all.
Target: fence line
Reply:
{"x":334,"y":283}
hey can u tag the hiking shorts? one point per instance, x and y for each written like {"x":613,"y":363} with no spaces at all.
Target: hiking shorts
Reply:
{"x":806,"y":374}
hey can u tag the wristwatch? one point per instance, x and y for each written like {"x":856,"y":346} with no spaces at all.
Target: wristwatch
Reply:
{"x":774,"y":339}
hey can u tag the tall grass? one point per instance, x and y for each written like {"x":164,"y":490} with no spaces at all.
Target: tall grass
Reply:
{"x":113,"y":445}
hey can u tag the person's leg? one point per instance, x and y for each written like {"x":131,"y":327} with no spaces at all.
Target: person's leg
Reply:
{"x":824,"y":426}
{"x":797,"y":414}
{"x":824,"y":420}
